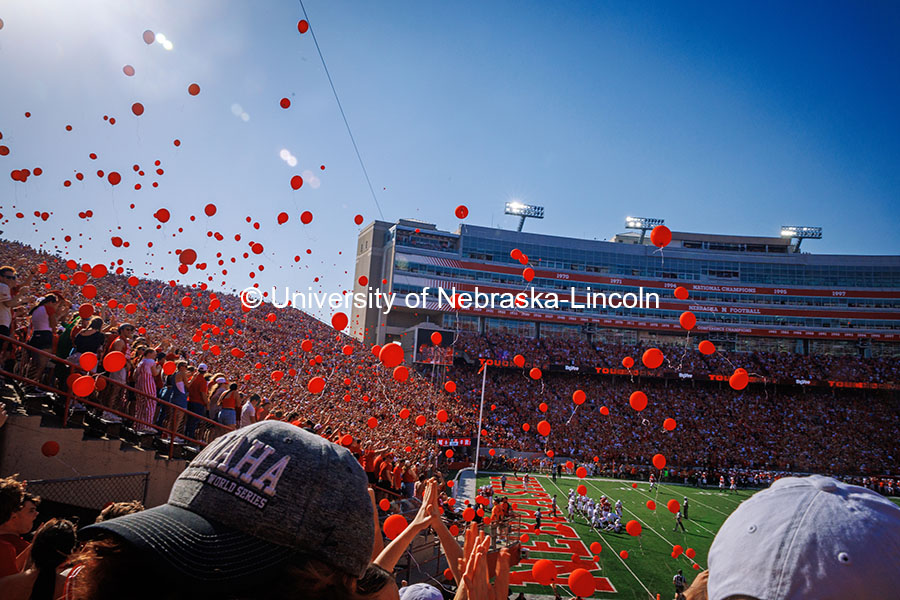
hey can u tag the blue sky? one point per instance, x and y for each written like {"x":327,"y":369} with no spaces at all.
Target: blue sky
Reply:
{"x":728,"y":119}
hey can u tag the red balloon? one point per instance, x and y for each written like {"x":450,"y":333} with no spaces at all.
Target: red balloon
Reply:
{"x":339,"y":321}
{"x":681,"y":293}
{"x":316,"y":385}
{"x":296,"y":182}
{"x":651,"y":504}
{"x":391,"y":355}
{"x":581,"y":490}
{"x":358,"y":219}
{"x":137,"y":108}
{"x":442,"y":416}
{"x":394,"y":525}
{"x":148,"y":37}
{"x":624,"y":553}
{"x":285,"y":103}
{"x":669,"y":424}
{"x":401,"y":373}
{"x":462,"y":211}
{"x":544,"y":571}
{"x":114,"y":178}
{"x":677,"y":549}
{"x":83,"y":386}
{"x":436,"y":338}
{"x":581,"y":472}
{"x":372,"y":422}
{"x":282,"y":218}
{"x":739,"y":379}
{"x":706,"y":347}
{"x":659,"y":461}
{"x":169,"y":367}
{"x":535,"y":373}
{"x":114,"y":361}
{"x":187,"y":256}
{"x":519,"y":360}
{"x":306,"y":217}
{"x":687,"y":320}
{"x":543,"y":428}
{"x":193,"y":89}
{"x":450,"y":387}
{"x":673,"y":505}
{"x":302,"y":26}
{"x":85,"y":311}
{"x":578,"y":397}
{"x":604,"y":411}
{"x":162,"y":215}
{"x":627,"y":362}
{"x":88,"y":361}
{"x":50,"y":448}
{"x":528,"y":274}
{"x":660,"y":236}
{"x":638,"y":401}
{"x":596,"y":548}
{"x":690,"y":553}
{"x":582,"y":583}
{"x":633,"y":528}
{"x":652,"y":358}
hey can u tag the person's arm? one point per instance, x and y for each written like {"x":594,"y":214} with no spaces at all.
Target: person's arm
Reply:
{"x":378,"y":545}
{"x":449,"y":544}
{"x":388,"y":558}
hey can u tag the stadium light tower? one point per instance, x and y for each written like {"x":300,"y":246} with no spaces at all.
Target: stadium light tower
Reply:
{"x":643,"y":223}
{"x":524,"y":211}
{"x":801,"y":233}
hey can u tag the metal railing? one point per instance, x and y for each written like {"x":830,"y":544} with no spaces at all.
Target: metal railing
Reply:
{"x":70,"y":398}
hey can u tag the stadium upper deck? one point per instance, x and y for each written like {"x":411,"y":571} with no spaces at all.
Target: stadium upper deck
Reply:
{"x":748,"y":293}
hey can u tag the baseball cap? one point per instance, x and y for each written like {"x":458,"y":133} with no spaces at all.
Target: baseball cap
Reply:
{"x":202,"y":367}
{"x":808,"y":537}
{"x":420,"y":591}
{"x":252,"y":499}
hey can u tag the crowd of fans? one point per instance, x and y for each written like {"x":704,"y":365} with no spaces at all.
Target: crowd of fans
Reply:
{"x":684,"y":358}
{"x":247,"y":371}
{"x":237,"y":367}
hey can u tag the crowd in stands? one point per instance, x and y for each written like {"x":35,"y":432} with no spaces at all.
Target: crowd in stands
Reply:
{"x":236,"y":367}
{"x":248,"y":372}
{"x":685,"y":358}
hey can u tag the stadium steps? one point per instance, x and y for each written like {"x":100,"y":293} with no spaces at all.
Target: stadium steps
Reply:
{"x":50,"y":408}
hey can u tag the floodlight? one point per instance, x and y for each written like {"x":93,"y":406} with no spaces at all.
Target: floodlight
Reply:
{"x":524,"y":211}
{"x":645,"y":224}
{"x":801,"y":233}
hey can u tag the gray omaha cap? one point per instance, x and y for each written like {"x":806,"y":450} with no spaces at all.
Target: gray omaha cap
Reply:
{"x":252,"y":499}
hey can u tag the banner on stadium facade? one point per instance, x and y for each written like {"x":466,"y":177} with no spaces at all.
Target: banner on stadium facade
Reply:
{"x":656,"y":374}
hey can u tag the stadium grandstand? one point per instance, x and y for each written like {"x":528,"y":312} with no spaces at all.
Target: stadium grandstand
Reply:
{"x":748,"y":293}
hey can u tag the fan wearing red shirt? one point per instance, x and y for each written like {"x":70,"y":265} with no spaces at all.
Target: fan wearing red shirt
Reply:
{"x":18,"y":510}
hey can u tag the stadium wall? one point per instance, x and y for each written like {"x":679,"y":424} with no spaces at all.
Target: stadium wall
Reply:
{"x":20,"y":452}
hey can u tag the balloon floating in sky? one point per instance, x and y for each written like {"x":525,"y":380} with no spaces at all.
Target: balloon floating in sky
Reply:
{"x":149,"y":37}
{"x":128,"y":70}
{"x":660,"y":236}
{"x":302,"y":26}
{"x":137,"y":108}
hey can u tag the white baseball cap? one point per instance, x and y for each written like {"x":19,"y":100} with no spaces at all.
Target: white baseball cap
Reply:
{"x":202,"y":367}
{"x":808,"y":537}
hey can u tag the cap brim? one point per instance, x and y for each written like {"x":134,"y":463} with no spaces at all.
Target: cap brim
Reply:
{"x":199,"y":548}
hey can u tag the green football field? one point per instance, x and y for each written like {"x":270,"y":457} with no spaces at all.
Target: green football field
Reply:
{"x":649,"y":568}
